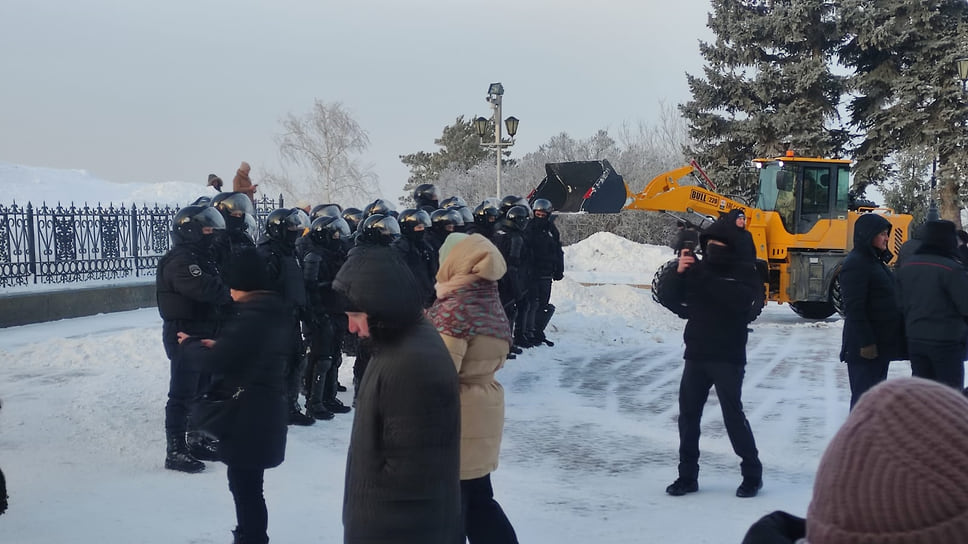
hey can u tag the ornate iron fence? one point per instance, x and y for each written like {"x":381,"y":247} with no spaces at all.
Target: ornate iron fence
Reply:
{"x":52,"y":245}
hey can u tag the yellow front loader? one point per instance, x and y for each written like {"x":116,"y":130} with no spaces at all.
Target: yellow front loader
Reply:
{"x":802,"y":223}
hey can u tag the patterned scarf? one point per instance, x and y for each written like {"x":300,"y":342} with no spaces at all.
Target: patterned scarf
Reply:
{"x":471,"y":310}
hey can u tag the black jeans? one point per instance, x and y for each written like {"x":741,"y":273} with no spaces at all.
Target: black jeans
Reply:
{"x":864,"y":374}
{"x":183,"y":386}
{"x":484,"y":520}
{"x":943,"y":363}
{"x":250,"y":504}
{"x":727,"y":378}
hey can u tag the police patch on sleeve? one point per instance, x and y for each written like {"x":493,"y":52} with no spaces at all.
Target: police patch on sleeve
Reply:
{"x":195,"y":270}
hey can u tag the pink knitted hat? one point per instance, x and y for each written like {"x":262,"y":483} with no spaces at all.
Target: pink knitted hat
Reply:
{"x":897,"y":470}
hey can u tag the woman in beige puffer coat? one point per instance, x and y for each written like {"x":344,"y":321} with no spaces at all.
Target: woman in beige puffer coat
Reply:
{"x":471,"y":321}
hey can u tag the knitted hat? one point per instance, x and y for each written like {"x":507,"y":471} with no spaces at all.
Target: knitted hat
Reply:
{"x":247,"y":271}
{"x":214,"y":180}
{"x":941,"y":235}
{"x":897,"y":470}
{"x":244,"y":167}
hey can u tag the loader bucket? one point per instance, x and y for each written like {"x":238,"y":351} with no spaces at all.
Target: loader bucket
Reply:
{"x":582,"y":186}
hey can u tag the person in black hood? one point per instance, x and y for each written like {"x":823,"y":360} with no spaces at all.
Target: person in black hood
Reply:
{"x":718,"y":296}
{"x":745,"y":247}
{"x":933,"y":291}
{"x":248,"y":359}
{"x":873,"y":334}
{"x":403,"y":463}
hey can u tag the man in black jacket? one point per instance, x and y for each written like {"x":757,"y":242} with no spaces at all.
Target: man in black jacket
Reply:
{"x":190,"y":297}
{"x":403,"y":465}
{"x":873,"y":322}
{"x":278,"y":248}
{"x":933,"y":290}
{"x":718,"y":295}
{"x":548,"y":265}
{"x":417,"y":253}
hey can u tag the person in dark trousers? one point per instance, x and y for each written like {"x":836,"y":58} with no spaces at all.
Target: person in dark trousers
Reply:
{"x":717,"y":295}
{"x":933,"y":291}
{"x":468,"y":317}
{"x":417,"y":253}
{"x":548,"y":265}
{"x":403,"y":464}
{"x":873,"y":324}
{"x":283,"y":228}
{"x":249,"y":358}
{"x":510,"y":240}
{"x":322,"y":261}
{"x":191,"y":298}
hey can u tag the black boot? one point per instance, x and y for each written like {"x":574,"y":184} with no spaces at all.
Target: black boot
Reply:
{"x":334,"y":405}
{"x":296,"y":417}
{"x":202,"y":446}
{"x":178,"y":458}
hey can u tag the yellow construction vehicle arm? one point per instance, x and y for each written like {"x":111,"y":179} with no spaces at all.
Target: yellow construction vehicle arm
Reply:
{"x":665,"y":194}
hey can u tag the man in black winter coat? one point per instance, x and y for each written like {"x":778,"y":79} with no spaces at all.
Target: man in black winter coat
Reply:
{"x":933,"y":290}
{"x":717,"y":295}
{"x":403,"y":464}
{"x":873,"y":324}
{"x":417,"y":253}
{"x":513,"y":287}
{"x":191,"y":299}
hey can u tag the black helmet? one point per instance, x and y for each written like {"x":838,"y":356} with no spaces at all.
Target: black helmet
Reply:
{"x":509,"y":201}
{"x":466,"y":215}
{"x":517,"y":218}
{"x":378,"y":206}
{"x":487,"y":213}
{"x":453,"y":202}
{"x":542,"y":205}
{"x":188,"y":224}
{"x":326,"y":229}
{"x":202,"y":201}
{"x":286,"y":224}
{"x":410,"y":218}
{"x":440,"y":219}
{"x":379,"y":229}
{"x":426,"y":194}
{"x":234,"y":207}
{"x":331,"y":210}
{"x":353,"y":216}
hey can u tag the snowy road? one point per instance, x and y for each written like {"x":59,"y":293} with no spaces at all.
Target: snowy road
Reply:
{"x":590,"y":442}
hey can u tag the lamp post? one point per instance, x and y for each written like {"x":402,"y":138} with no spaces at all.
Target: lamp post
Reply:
{"x":495,"y":93}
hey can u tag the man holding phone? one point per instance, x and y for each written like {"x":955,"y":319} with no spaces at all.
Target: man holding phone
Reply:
{"x":717,"y":296}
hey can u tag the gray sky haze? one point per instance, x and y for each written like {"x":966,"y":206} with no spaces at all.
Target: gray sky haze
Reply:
{"x":175,"y":90}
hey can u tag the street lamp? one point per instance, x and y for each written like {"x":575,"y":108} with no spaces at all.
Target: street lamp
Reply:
{"x":494,"y":94}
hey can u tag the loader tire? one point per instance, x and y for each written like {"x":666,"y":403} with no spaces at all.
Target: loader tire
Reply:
{"x":813,"y":310}
{"x":663,"y":273}
{"x":836,"y":297}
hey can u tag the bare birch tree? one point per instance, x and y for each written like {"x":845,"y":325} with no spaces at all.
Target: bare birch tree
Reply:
{"x":320,"y":152}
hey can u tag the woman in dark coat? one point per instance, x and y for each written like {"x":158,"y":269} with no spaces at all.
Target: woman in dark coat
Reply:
{"x":248,"y":359}
{"x":403,"y":464}
{"x":873,"y":334}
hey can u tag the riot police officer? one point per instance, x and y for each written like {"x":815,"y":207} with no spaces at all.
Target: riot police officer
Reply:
{"x":190,"y":296}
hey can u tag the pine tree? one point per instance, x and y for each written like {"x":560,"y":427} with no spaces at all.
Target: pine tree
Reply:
{"x":768,"y":87}
{"x":460,"y":150}
{"x":907,"y":95}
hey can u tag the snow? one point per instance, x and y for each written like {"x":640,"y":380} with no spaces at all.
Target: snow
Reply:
{"x":590,"y":440}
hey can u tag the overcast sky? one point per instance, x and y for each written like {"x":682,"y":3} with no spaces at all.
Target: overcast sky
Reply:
{"x":175,"y":90}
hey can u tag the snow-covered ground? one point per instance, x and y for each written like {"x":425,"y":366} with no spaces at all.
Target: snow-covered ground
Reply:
{"x":590,"y":439}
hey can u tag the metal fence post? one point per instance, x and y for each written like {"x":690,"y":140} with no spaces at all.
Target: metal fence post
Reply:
{"x":134,"y":239}
{"x":31,"y":250}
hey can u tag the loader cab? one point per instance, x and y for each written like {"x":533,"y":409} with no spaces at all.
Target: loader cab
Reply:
{"x":803,"y":191}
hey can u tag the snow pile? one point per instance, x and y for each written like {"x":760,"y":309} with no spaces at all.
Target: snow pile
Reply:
{"x":22,"y":184}
{"x":607,"y":258}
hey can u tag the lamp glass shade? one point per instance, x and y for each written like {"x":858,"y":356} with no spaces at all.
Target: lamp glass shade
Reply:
{"x":963,"y":69}
{"x":495,"y":89}
{"x":512,"y":125}
{"x":481,"y":125}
